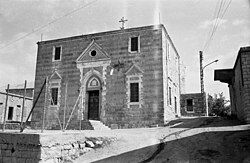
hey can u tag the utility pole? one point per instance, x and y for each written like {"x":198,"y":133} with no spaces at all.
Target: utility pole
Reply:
{"x":201,"y":72}
{"x":204,"y":107}
{"x":202,"y":80}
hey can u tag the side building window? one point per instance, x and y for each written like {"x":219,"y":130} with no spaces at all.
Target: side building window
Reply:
{"x":134,"y":44}
{"x":10,"y":113}
{"x":190,"y":105}
{"x":57,"y":51}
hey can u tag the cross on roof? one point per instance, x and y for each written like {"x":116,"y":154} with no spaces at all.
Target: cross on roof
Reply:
{"x":123,"y":22}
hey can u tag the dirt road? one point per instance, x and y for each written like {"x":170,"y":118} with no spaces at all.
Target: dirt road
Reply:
{"x":184,"y":140}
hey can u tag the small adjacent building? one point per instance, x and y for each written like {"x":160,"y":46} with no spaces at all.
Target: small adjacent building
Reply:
{"x":14,"y":107}
{"x":238,"y":80}
{"x":18,"y":89}
{"x":124,"y":78}
{"x":194,"y":104}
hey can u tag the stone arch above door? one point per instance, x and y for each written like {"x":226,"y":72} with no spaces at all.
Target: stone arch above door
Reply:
{"x":93,"y":83}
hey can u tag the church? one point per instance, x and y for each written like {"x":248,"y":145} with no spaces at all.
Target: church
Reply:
{"x":125,"y":78}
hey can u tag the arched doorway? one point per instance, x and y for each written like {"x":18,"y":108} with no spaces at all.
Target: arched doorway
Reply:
{"x":93,"y":92}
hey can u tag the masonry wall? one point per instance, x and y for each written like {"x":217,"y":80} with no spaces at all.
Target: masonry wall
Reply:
{"x":29,"y":92}
{"x":118,"y":115}
{"x":16,"y":102}
{"x":114,"y":112}
{"x":236,"y":91}
{"x":242,"y":85}
{"x":171,"y":77}
{"x":197,"y":104}
{"x":47,"y":147}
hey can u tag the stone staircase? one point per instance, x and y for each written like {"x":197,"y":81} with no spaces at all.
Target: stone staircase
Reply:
{"x":98,"y":125}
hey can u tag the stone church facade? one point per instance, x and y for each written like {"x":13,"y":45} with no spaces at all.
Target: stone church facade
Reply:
{"x":124,"y":78}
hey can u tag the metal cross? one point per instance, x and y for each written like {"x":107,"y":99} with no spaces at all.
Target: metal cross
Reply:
{"x":123,"y":22}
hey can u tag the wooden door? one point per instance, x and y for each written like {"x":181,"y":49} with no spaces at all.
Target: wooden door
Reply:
{"x":93,"y":105}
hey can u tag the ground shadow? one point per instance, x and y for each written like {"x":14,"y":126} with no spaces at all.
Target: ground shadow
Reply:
{"x":203,"y":122}
{"x":231,"y":147}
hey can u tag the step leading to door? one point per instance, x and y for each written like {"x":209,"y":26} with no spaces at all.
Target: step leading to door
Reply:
{"x":98,"y":125}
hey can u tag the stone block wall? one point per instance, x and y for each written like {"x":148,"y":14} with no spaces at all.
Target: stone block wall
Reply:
{"x":47,"y":147}
{"x":238,"y":79}
{"x":171,"y":78}
{"x":19,"y":148}
{"x":29,"y":92}
{"x":198,"y":109}
{"x":242,"y":85}
{"x":114,"y":110}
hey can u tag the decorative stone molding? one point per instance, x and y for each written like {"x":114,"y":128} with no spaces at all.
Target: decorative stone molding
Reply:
{"x":134,"y":75}
{"x":55,"y":82}
{"x":85,"y":60}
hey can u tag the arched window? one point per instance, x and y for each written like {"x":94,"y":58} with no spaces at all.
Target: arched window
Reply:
{"x":93,"y":83}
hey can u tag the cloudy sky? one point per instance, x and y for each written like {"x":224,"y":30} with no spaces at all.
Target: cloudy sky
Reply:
{"x":188,"y":22}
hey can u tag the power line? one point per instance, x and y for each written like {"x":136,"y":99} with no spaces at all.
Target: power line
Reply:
{"x":213,"y":18}
{"x":44,"y":26}
{"x":220,"y":14}
{"x":214,"y":25}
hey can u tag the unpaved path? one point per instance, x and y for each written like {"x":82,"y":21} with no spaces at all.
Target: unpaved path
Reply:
{"x":188,"y":140}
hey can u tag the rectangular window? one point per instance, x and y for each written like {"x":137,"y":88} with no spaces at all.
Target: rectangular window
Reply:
{"x":54,"y":96}
{"x":18,"y":111}
{"x":170,"y":96}
{"x":190,"y":105}
{"x":57,"y":53}
{"x":10,"y":113}
{"x":134,"y":92}
{"x":134,"y":43}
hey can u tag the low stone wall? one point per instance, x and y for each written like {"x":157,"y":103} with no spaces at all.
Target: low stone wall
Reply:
{"x":11,"y":126}
{"x":20,"y":148}
{"x":46,"y":147}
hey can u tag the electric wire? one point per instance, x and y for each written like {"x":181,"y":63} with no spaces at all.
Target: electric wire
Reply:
{"x":51,"y":22}
{"x":214,"y":26}
{"x":213,"y":18}
{"x":220,"y":14}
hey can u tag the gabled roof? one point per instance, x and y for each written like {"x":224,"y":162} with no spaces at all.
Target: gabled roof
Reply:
{"x":100,"y":53}
{"x":134,"y":69}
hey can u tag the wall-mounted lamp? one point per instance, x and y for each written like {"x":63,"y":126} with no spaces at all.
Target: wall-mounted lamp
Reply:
{"x":117,"y":66}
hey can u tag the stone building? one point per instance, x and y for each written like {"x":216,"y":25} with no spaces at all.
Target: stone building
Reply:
{"x":124,"y":78}
{"x":194,"y":104}
{"x":14,"y":107}
{"x":238,"y":80}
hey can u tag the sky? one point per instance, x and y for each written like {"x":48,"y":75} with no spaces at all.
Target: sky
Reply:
{"x":188,"y":22}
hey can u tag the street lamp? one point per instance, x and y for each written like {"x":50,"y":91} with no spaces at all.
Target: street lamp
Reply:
{"x":202,"y":74}
{"x":202,"y":78}
{"x":210,"y":63}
